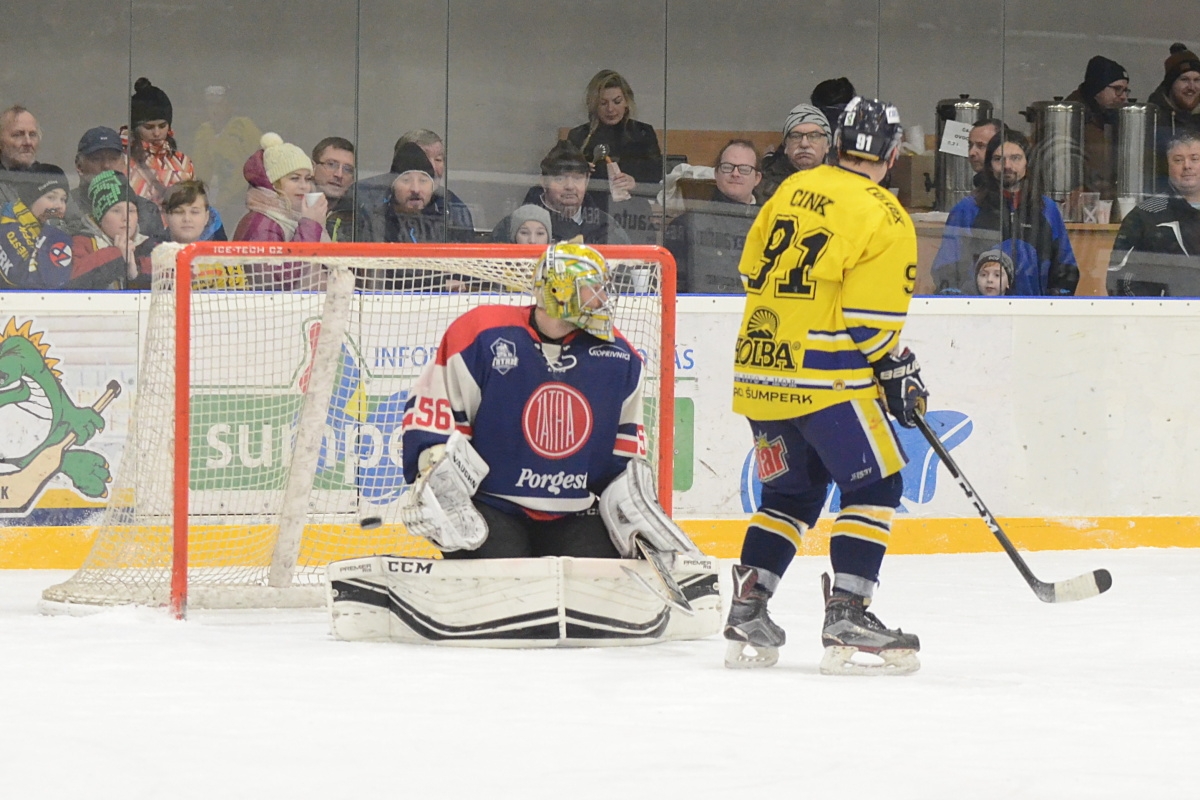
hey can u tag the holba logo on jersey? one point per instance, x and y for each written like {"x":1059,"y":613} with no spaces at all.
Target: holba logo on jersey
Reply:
{"x":758,"y":348}
{"x":920,"y":473}
{"x":557,"y":420}
{"x":504,"y":356}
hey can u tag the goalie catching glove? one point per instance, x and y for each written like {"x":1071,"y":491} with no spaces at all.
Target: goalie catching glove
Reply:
{"x":901,"y":387}
{"x":438,"y":507}
{"x":630,"y":510}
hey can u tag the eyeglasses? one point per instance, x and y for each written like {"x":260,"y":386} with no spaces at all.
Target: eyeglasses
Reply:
{"x":813,"y":137}
{"x":725,"y":168}
{"x":1118,"y":89}
{"x":337,"y":166}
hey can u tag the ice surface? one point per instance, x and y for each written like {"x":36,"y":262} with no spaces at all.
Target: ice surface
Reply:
{"x":1015,"y":699}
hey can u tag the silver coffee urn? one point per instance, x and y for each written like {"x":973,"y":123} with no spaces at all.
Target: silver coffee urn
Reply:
{"x":1137,"y":154}
{"x":1056,"y":131}
{"x":952,"y":175}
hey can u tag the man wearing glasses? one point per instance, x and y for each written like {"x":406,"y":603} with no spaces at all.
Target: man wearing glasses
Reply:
{"x":806,"y":139}
{"x":707,"y":240}
{"x":1105,"y":89}
{"x":333,"y":174}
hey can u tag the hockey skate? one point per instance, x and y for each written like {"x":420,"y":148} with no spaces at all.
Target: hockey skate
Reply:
{"x":850,"y":629}
{"x":754,"y":639}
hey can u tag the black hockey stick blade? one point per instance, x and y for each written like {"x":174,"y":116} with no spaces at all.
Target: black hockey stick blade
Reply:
{"x":1081,"y":587}
{"x":670,"y":590}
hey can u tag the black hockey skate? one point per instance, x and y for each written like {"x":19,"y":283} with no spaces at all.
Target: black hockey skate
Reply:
{"x":851,"y":629}
{"x":754,"y":639}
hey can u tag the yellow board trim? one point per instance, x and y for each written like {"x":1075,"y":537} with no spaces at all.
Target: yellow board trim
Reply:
{"x":66,"y":547}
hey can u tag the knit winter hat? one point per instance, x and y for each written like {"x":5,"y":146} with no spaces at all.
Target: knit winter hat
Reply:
{"x":1100,"y":73}
{"x":409,"y":157}
{"x":281,"y":158}
{"x":106,"y":190}
{"x":999,"y":257}
{"x":35,"y":184}
{"x":526,"y":213}
{"x":149,"y":103}
{"x":1180,"y":61}
{"x":806,"y":113}
{"x":831,"y":97}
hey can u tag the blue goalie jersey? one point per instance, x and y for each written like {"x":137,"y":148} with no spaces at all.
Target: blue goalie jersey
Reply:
{"x":555,"y":422}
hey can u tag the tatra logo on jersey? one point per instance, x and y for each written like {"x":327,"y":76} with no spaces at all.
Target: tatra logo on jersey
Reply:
{"x":758,"y":347}
{"x":557,"y":420}
{"x":504,"y":355}
{"x":771,"y":458}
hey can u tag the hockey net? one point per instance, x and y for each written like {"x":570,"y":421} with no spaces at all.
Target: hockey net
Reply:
{"x":267,"y":417}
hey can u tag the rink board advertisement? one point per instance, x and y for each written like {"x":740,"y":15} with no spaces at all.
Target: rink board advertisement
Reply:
{"x":1071,"y":418}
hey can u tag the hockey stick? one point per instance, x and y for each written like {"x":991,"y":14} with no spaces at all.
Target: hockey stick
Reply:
{"x":19,"y":489}
{"x":669,"y":591}
{"x":1079,"y":588}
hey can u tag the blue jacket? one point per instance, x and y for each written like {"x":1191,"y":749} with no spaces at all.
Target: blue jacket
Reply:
{"x":32,"y":255}
{"x":1035,"y":237}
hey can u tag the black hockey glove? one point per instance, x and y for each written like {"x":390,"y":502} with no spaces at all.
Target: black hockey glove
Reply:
{"x":901,"y":387}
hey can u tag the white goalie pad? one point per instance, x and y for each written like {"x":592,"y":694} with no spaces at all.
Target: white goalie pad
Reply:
{"x":438,"y":507}
{"x":630,"y":508}
{"x":517,"y":602}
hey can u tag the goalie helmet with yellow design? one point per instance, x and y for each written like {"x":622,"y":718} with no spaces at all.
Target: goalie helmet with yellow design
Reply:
{"x":571,"y":283}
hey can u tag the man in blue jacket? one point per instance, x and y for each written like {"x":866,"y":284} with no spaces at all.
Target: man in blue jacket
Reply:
{"x":1008,"y":212}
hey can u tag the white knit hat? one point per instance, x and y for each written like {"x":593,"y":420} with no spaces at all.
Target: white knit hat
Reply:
{"x":281,"y":158}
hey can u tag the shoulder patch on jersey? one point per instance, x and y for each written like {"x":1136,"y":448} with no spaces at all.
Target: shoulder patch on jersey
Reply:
{"x":467,"y":328}
{"x":504,"y":355}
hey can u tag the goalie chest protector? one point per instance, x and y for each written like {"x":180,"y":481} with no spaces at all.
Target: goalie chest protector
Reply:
{"x":553,"y":427}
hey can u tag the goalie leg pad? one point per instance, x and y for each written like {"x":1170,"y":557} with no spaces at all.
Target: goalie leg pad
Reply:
{"x":629,"y":507}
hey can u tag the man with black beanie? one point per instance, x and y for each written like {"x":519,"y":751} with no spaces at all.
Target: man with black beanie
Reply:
{"x":1105,"y":89}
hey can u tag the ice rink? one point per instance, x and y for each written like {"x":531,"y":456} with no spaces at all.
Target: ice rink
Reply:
{"x":1015,"y":699}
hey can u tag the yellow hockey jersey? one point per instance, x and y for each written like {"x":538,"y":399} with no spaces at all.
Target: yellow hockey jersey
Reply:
{"x":829,"y":267}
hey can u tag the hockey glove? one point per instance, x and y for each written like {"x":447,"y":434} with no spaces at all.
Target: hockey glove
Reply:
{"x":438,"y":507}
{"x":900,"y":386}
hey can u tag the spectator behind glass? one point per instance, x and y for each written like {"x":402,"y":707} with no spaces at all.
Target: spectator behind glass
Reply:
{"x":1162,"y":225}
{"x":20,"y":138}
{"x":402,"y":216}
{"x":574,"y":214}
{"x":831,"y":97}
{"x":1178,"y":96}
{"x":630,"y":144}
{"x":707,"y":239}
{"x":34,"y":254}
{"x":280,"y":174}
{"x":530,"y":224}
{"x":112,"y":254}
{"x":981,"y":133}
{"x":100,"y":149}
{"x":189,"y":217}
{"x":1007,"y":212}
{"x":1105,"y":88}
{"x":333,"y":175}
{"x":806,"y":140}
{"x":444,"y":200}
{"x":994,"y":274}
{"x":220,"y":147}
{"x":156,"y":164}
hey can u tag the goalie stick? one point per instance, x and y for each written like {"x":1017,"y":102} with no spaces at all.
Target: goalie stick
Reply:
{"x":19,"y":489}
{"x":670,"y":591}
{"x":1081,"y":587}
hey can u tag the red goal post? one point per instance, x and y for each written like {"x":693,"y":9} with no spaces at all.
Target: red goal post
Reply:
{"x":268,"y":403}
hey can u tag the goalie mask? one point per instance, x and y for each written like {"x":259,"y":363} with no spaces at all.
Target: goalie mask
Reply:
{"x":868,"y":129}
{"x":571,"y":283}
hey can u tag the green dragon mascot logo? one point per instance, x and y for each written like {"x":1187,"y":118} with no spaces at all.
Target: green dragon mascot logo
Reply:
{"x":30,"y":384}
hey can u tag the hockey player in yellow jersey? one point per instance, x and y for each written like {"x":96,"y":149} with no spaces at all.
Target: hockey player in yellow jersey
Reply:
{"x":829,"y":268}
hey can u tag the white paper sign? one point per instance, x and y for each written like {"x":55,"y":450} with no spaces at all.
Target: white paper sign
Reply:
{"x":954,"y":138}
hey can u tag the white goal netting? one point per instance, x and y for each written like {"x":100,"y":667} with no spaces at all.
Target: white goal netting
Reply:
{"x":301,"y":360}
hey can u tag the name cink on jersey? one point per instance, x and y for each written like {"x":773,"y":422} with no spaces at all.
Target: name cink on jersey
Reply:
{"x":810,"y":201}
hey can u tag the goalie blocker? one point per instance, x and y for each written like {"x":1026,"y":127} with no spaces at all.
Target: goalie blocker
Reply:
{"x":518,"y":602}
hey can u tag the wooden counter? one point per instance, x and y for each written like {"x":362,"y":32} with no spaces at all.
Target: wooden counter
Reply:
{"x":1092,"y":244}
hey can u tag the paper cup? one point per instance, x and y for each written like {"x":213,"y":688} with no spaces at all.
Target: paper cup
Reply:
{"x":1103,"y":211}
{"x":311,"y":198}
